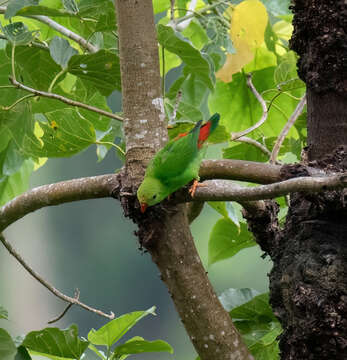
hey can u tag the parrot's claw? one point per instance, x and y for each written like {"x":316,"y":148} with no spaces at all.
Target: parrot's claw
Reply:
{"x":195,"y":185}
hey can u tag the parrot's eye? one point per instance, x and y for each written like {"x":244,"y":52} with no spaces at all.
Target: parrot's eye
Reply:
{"x":154,"y":196}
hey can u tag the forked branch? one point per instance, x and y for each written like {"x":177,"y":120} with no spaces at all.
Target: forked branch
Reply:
{"x":263,"y":118}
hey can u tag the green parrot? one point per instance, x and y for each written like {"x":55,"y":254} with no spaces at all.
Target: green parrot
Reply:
{"x":176,"y":164}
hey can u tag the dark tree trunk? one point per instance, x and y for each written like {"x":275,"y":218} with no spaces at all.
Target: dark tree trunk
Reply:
{"x":309,"y":280}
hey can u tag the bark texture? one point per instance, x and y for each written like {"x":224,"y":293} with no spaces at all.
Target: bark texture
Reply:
{"x":164,"y":230}
{"x":320,"y":38}
{"x":144,"y":124}
{"x":308,"y":282}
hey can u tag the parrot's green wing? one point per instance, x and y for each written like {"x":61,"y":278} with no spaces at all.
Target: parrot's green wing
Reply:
{"x":174,"y":158}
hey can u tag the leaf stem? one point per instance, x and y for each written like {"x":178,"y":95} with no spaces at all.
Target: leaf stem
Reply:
{"x":263,"y":118}
{"x":61,"y":72}
{"x":163,"y":70}
{"x":6,"y":108}
{"x":6,"y":87}
{"x":112,"y":144}
{"x":12,"y":61}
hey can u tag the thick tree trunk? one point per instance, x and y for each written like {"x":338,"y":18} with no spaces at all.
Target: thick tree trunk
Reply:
{"x":309,"y":279}
{"x":165,"y":232}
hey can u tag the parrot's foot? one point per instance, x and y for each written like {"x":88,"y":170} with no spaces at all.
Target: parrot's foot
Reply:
{"x":195,"y":185}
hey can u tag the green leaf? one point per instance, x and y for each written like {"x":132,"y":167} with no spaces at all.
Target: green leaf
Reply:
{"x":257,"y":310}
{"x":56,"y":342}
{"x":61,"y":51}
{"x":14,"y":6}
{"x":60,"y":133}
{"x":103,"y":14}
{"x":22,"y":354}
{"x":43,"y":10}
{"x":8,"y":349}
{"x":11,"y":159}
{"x":160,"y":6}
{"x":276,"y":7}
{"x":35,"y":66}
{"x":115,"y":329}
{"x":17,"y":33}
{"x":143,"y":346}
{"x":196,"y":62}
{"x":226,"y":240}
{"x":244,"y":151}
{"x":239,"y":108}
{"x":97,"y":352}
{"x":232,"y":298}
{"x":101,"y":69}
{"x":3,"y":313}
{"x":220,"y":135}
{"x":226,"y":209}
{"x":17,"y":183}
{"x":184,"y":113}
{"x":71,"y":6}
{"x":196,"y":34}
{"x":258,"y":326}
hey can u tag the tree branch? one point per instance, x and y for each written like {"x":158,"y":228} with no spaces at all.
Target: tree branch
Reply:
{"x":52,"y":289}
{"x":56,"y":194}
{"x":250,"y":171}
{"x":221,"y":190}
{"x":63,"y":30}
{"x":63,"y":99}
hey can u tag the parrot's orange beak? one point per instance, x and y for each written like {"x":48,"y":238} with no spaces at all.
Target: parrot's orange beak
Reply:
{"x":143,"y":207}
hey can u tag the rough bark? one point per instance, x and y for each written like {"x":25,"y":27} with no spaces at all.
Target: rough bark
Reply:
{"x":308,"y":282}
{"x":165,"y":232}
{"x":320,"y":38}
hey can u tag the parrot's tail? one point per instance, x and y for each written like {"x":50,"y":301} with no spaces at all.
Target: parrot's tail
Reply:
{"x":207,"y":129}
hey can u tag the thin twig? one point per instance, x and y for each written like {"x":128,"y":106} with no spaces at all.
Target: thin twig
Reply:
{"x":6,"y":108}
{"x":63,"y":30}
{"x":263,"y":118}
{"x":64,"y":100}
{"x":286,"y":129}
{"x":48,"y":286}
{"x":261,"y":147}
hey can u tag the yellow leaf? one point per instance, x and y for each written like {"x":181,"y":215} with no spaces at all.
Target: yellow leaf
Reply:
{"x":283,"y":29}
{"x":40,"y":162}
{"x":38,"y":132}
{"x":248,"y":24}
